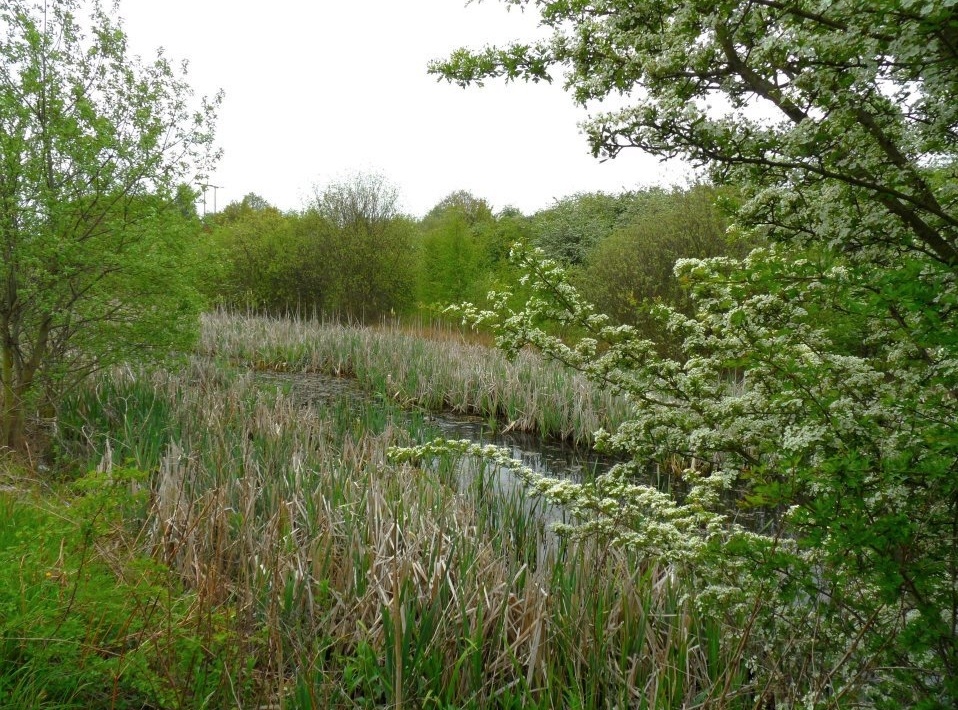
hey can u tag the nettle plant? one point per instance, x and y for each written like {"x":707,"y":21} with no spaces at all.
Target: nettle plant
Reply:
{"x":810,"y":427}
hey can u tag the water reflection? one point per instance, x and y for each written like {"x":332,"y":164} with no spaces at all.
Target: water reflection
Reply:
{"x":547,"y":457}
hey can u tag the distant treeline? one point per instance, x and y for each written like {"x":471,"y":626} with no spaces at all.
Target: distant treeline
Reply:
{"x":351,"y":253}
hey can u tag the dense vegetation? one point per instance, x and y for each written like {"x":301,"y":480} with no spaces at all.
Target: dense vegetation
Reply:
{"x":95,"y":225}
{"x":769,"y":354}
{"x":815,"y":379}
{"x":374,"y":262}
{"x":265,"y":549}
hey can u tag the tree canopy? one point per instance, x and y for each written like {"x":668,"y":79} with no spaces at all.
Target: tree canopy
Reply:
{"x":829,"y":111}
{"x":95,"y":148}
{"x":629,"y":271}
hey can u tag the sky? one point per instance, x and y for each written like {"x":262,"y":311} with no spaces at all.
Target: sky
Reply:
{"x":317,"y":91}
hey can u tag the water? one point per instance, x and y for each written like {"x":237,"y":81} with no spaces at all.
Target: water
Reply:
{"x":548,"y":457}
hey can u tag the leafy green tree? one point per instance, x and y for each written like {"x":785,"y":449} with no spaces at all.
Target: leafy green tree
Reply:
{"x":464,"y":251}
{"x":95,"y":249}
{"x":349,"y":253}
{"x":255,"y":254}
{"x":373,"y":251}
{"x":264,"y":260}
{"x":508,"y":228}
{"x":895,"y":108}
{"x":454,"y":257}
{"x":473,"y":210}
{"x":573,"y":226}
{"x":251,"y":204}
{"x":630,"y":272}
{"x":839,"y":121}
{"x":451,"y":261}
{"x":314,"y":274}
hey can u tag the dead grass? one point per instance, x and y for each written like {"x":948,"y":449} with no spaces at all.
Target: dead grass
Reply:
{"x":527,"y":394}
{"x":356,"y":582}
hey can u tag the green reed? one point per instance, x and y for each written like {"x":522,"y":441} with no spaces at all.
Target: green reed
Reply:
{"x":527,"y":394}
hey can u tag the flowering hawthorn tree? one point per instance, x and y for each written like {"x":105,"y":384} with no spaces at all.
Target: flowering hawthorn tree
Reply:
{"x":818,"y":384}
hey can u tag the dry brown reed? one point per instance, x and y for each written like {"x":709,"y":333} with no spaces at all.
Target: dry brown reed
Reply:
{"x":354,"y":582}
{"x":527,"y":394}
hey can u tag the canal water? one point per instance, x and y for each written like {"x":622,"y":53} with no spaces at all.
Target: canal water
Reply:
{"x":548,"y":457}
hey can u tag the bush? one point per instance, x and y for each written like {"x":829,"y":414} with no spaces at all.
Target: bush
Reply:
{"x":631,"y":271}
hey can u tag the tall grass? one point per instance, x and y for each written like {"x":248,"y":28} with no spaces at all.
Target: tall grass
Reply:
{"x":528,"y":394}
{"x":348,"y":581}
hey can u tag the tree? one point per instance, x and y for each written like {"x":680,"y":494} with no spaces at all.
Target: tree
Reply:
{"x":630,"y":271}
{"x":454,"y":256}
{"x":364,"y":201}
{"x":251,"y":204}
{"x":372,"y":249}
{"x":854,"y":103}
{"x":472,"y":209}
{"x":93,"y":147}
{"x":256,"y":257}
{"x":839,"y":122}
{"x":571,"y":228}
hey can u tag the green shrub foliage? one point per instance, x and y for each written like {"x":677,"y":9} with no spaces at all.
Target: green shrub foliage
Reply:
{"x":631,"y":270}
{"x":96,"y":229}
{"x":571,"y":229}
{"x":348,"y":254}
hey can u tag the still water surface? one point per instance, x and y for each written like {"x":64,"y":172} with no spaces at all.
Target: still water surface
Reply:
{"x":544,"y":456}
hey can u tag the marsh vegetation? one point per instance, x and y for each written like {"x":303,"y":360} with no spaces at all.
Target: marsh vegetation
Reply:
{"x":314,"y":572}
{"x":769,"y":355}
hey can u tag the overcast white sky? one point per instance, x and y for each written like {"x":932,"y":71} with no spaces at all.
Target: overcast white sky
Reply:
{"x":316,"y":90}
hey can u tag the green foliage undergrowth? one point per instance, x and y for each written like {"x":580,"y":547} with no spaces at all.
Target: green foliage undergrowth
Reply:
{"x":87,"y":623}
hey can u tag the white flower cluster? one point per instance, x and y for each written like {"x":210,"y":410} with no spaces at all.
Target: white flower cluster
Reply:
{"x":803,"y":440}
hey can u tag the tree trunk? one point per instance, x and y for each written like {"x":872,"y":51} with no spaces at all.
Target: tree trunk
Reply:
{"x":11,"y":411}
{"x":17,"y":379}
{"x":12,"y":429}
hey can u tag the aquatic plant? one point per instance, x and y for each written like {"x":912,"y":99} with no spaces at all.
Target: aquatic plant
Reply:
{"x":526,"y":393}
{"x":353,"y":580}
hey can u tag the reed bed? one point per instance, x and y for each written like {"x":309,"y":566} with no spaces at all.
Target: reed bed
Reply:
{"x":353,"y":582}
{"x":527,"y":394}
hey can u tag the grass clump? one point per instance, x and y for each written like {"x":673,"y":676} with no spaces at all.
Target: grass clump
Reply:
{"x":525,"y":394}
